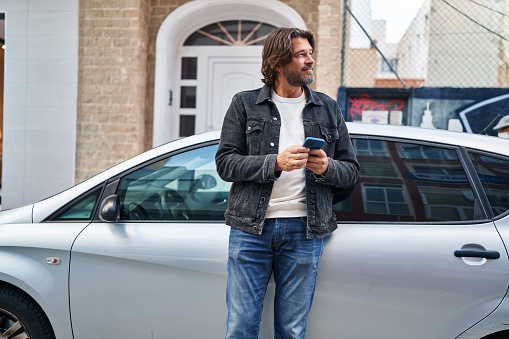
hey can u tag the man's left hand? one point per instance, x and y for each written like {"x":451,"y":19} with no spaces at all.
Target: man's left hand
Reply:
{"x":317,"y":161}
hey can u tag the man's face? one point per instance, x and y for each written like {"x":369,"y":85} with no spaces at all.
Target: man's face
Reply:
{"x":299,"y":72}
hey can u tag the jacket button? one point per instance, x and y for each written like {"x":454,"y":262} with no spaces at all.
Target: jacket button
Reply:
{"x":272,"y":144}
{"x":249,"y":128}
{"x":274,"y":118}
{"x":255,"y":228}
{"x":263,"y":199}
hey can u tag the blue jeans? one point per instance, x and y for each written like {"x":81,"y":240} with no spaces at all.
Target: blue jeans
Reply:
{"x":284,"y":250}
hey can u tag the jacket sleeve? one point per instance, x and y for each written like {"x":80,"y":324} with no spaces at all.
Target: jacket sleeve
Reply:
{"x":233,"y":161}
{"x":343,"y":168}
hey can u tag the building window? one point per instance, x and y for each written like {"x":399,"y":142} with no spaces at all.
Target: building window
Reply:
{"x":189,"y":68}
{"x":384,"y":67}
{"x":230,"y":33}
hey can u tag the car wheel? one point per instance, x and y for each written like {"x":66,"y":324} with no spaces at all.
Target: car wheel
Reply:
{"x":21,"y":317}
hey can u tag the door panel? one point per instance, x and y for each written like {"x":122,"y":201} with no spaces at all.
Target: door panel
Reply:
{"x":227,"y":76}
{"x":403,"y":281}
{"x":149,"y":280}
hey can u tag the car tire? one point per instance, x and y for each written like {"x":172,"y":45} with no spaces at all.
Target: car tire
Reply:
{"x":500,"y":335}
{"x":20,"y":315}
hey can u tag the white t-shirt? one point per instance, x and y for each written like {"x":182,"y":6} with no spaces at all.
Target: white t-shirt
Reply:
{"x":288,"y":198}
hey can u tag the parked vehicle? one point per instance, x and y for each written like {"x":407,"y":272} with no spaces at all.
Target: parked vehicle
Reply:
{"x":139,"y":251}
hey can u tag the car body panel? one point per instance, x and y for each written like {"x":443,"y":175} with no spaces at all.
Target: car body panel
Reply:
{"x":405,"y":280}
{"x":498,"y":318}
{"x":172,"y":284}
{"x":23,"y":264}
{"x":372,"y":278}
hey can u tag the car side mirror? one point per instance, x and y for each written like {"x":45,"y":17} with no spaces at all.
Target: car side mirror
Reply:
{"x":110,"y":209}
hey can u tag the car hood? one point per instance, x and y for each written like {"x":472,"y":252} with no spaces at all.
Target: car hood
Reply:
{"x":20,"y":215}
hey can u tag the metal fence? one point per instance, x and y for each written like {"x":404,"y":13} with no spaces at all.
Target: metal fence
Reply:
{"x":448,"y":43}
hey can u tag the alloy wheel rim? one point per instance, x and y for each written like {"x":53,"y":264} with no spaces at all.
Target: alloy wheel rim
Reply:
{"x":11,"y":327}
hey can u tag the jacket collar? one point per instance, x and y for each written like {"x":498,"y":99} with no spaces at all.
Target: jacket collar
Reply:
{"x":311,"y":97}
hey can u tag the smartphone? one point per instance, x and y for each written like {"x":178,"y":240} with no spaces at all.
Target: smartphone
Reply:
{"x":313,"y":143}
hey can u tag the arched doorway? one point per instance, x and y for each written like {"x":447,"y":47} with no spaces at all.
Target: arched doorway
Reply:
{"x":207,"y":50}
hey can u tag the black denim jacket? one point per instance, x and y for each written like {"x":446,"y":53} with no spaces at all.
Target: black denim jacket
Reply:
{"x":247,"y":156}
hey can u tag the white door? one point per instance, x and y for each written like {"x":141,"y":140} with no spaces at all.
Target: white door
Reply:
{"x":221,"y":72}
{"x":227,"y":76}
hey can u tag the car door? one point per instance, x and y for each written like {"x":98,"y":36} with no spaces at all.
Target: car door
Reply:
{"x":402,"y":263}
{"x":159,"y":272}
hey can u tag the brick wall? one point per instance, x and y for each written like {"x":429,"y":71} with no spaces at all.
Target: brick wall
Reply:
{"x":112,"y":83}
{"x":159,"y":11}
{"x":330,"y":17}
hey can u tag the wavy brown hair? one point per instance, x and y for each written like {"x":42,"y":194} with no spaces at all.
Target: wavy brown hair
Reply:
{"x":277,"y":50}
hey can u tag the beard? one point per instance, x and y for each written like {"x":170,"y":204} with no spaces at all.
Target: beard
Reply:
{"x":294,"y":78}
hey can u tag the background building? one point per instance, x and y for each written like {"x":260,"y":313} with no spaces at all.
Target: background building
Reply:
{"x":89,"y":83}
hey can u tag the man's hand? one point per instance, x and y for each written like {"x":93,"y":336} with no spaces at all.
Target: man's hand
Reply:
{"x":318,"y":161}
{"x":292,"y":158}
{"x":296,"y":157}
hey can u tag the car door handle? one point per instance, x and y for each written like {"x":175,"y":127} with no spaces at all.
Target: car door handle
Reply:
{"x":477,"y":254}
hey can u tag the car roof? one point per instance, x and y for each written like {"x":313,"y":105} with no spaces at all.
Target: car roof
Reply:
{"x":468,"y":140}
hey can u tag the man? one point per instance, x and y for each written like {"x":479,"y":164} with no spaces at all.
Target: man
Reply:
{"x":503,"y":127}
{"x":280,"y":204}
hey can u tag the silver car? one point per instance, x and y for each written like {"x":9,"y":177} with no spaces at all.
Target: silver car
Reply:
{"x":139,"y":251}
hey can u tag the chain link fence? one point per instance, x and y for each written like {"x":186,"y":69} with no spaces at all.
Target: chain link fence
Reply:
{"x":448,"y":43}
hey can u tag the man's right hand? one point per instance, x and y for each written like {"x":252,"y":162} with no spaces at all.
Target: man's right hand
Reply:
{"x":292,"y":158}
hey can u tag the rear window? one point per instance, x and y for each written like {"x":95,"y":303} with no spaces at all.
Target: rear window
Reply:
{"x":407,"y":182}
{"x":494,"y":175}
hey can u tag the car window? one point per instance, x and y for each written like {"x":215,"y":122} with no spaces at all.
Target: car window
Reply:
{"x":494,"y":175}
{"x":79,"y":210}
{"x":407,"y":182}
{"x":184,"y":186}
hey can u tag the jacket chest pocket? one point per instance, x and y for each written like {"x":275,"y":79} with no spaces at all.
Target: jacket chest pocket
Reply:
{"x":254,"y":136}
{"x":331,"y":136}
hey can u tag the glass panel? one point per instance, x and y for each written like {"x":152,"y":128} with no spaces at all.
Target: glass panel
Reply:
{"x":187,"y":124}
{"x":181,"y":187}
{"x":411,"y":151}
{"x":80,"y":210}
{"x":370,"y":147}
{"x":189,"y":68}
{"x":406,"y":182}
{"x":494,"y":175}
{"x":187,"y":96}
{"x":230,"y":33}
